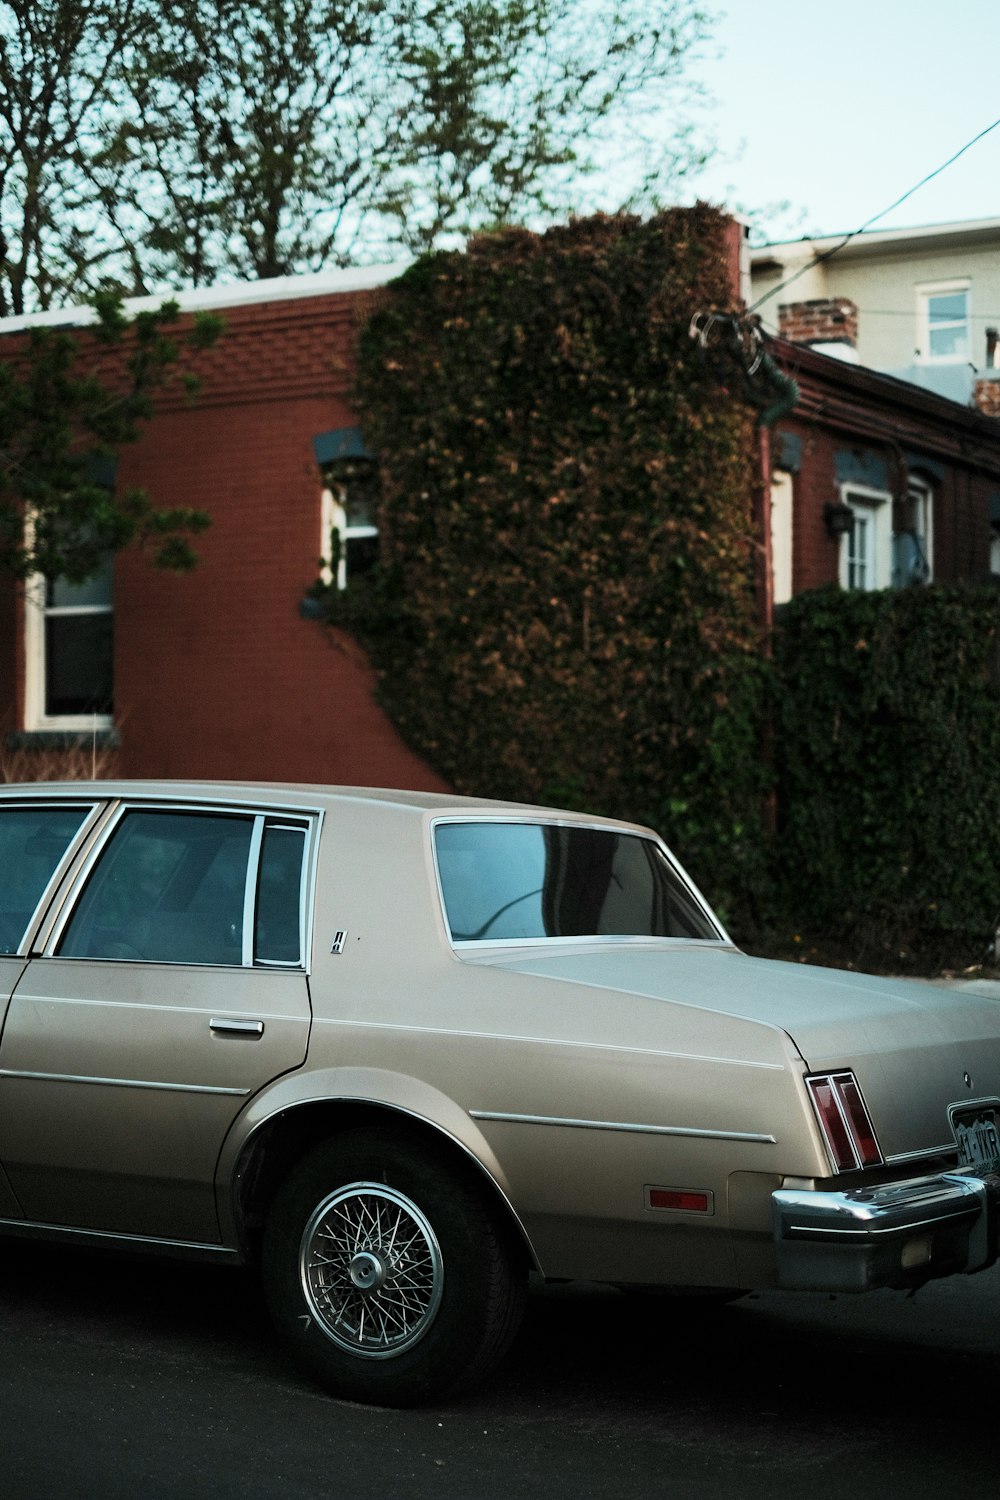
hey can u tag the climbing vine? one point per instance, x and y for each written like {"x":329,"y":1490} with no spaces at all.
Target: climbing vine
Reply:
{"x":887,"y":739}
{"x":564,"y":608}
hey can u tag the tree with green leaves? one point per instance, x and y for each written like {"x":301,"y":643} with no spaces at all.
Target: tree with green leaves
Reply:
{"x":69,"y":401}
{"x":62,"y":66}
{"x":179,"y":143}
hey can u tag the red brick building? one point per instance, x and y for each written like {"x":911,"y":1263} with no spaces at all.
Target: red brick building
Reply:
{"x":216,"y":673}
{"x":875,"y":482}
{"x":868,"y":479}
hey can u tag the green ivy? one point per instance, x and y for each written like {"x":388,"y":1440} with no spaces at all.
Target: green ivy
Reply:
{"x":565,"y":612}
{"x":887,"y":742}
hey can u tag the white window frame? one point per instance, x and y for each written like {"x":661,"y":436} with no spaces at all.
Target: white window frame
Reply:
{"x":36,"y":612}
{"x":927,"y":290}
{"x":782,"y":535}
{"x":921,"y":497}
{"x":333,"y":518}
{"x":872,"y":509}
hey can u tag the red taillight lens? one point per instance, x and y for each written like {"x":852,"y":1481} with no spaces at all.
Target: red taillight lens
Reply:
{"x":862,"y":1130}
{"x":846,"y":1124}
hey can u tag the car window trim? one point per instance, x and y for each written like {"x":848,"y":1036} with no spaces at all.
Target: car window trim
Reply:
{"x":76,"y":874}
{"x":295,"y":825}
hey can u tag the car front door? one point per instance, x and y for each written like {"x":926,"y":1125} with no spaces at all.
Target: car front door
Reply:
{"x":173,"y":989}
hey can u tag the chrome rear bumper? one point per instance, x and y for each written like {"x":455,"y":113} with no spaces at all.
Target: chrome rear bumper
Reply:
{"x":895,"y":1235}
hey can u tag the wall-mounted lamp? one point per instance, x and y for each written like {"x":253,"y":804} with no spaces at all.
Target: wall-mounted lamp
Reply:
{"x":838,"y":519}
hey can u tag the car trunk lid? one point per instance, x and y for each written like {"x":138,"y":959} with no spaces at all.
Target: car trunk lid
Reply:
{"x":917,"y":1049}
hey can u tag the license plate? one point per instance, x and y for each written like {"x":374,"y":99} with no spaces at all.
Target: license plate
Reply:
{"x":977,"y":1132}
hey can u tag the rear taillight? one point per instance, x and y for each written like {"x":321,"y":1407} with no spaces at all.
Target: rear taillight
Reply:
{"x":847,"y":1126}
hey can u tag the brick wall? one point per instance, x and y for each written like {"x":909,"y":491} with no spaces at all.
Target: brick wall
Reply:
{"x":987,"y":395}
{"x":961,"y":538}
{"x":826,"y":320}
{"x":216,"y":673}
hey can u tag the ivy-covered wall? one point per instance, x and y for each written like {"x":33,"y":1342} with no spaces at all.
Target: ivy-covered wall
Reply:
{"x":564,"y":611}
{"x":887,"y":748}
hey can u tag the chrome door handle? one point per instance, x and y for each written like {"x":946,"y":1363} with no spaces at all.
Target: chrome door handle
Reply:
{"x":230,"y":1026}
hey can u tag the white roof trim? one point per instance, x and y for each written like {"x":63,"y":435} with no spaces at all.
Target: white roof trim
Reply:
{"x":805,"y":246}
{"x":235,"y":294}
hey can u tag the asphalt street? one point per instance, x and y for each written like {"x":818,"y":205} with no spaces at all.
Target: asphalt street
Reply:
{"x":126,"y":1378}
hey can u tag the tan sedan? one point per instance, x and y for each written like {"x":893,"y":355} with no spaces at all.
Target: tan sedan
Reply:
{"x":404,"y":1051}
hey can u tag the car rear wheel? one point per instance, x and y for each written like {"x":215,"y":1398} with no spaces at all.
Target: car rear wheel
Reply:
{"x":388,"y":1273}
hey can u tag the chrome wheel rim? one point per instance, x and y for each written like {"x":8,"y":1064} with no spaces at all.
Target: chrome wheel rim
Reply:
{"x":371,"y":1270}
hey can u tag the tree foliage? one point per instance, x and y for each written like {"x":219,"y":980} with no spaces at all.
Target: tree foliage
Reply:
{"x":565,"y":610}
{"x":67,"y":402}
{"x":163,"y":143}
{"x":62,"y":66}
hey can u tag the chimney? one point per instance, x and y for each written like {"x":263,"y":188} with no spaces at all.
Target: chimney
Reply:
{"x":986,"y":395}
{"x":827,"y":324}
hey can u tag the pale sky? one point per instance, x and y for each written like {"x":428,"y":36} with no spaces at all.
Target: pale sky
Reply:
{"x":840,"y":108}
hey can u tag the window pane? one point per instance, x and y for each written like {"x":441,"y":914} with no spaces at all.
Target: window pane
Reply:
{"x":32,"y":842}
{"x":170,"y":888}
{"x":949,"y":340}
{"x":947,"y":307}
{"x":858,"y":544}
{"x":279,"y":895}
{"x":97,"y":589}
{"x":362,"y":554}
{"x":947,"y":320}
{"x":79,"y":660}
{"x":359,"y":506}
{"x":519,"y":880}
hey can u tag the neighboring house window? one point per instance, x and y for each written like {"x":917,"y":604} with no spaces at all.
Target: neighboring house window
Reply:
{"x":913,"y":536}
{"x":349,"y":535}
{"x":69,"y":680}
{"x":866,"y":550}
{"x":943,"y":322}
{"x":890,"y":543}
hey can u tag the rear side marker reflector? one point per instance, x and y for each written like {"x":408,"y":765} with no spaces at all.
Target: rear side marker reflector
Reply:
{"x":846,"y":1123}
{"x":681,"y":1200}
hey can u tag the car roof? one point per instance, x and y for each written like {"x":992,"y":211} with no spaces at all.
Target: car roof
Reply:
{"x":295,"y":794}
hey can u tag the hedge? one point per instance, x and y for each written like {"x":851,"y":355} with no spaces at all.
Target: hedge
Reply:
{"x":887,"y":748}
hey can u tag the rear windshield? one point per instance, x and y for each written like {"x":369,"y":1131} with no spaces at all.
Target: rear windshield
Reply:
{"x":539,"y":880}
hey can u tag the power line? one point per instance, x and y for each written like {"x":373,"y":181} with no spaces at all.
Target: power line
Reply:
{"x":827,"y":254}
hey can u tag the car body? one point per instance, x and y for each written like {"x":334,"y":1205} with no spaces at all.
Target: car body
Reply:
{"x":405,"y":1049}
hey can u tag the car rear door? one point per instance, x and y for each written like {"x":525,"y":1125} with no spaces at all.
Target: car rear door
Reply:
{"x":171,"y":987}
{"x":37,"y":838}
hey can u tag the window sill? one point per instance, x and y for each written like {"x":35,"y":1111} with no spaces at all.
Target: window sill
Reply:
{"x":63,"y":739}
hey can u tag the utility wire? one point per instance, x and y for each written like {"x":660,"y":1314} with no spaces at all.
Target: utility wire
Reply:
{"x":827,"y":254}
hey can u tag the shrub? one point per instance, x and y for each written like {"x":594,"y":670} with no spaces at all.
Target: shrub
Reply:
{"x":887,"y":740}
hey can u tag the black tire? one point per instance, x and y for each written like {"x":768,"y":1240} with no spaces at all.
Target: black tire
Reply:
{"x":388,"y":1273}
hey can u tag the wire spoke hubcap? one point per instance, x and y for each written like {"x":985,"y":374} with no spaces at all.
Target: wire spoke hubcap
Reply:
{"x":371,"y":1270}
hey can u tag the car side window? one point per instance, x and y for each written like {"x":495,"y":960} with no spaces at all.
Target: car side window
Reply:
{"x":277,"y":927}
{"x":33,"y":840}
{"x":194,"y":888}
{"x":170,"y":887}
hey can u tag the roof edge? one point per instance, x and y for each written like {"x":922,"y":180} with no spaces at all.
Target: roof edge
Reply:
{"x":228,"y":295}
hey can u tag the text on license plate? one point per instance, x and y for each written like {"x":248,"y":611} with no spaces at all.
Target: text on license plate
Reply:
{"x":978,"y":1135}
